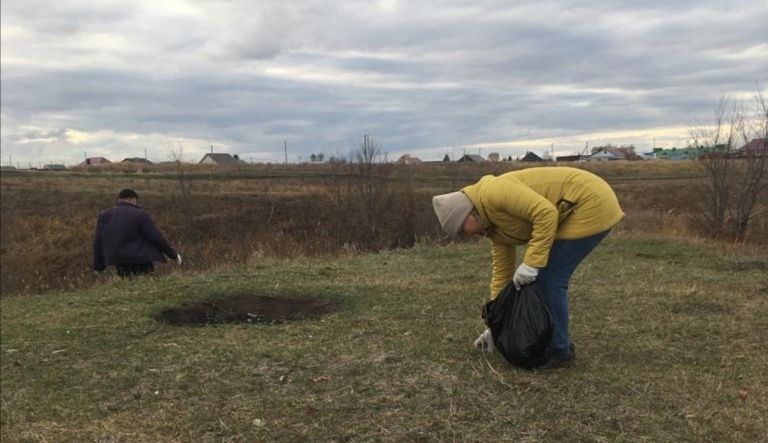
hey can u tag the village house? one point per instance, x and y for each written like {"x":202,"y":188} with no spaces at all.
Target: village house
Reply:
{"x":689,"y":153}
{"x":570,"y":158}
{"x":138,"y":160}
{"x":604,"y":154}
{"x":220,"y":159}
{"x":471,"y":158}
{"x":531,"y":157}
{"x":94,"y":161}
{"x":407,"y":159}
{"x":755,"y":148}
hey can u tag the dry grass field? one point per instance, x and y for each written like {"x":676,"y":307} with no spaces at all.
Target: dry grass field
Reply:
{"x":670,"y":336}
{"x":670,"y":328}
{"x":229,"y":217}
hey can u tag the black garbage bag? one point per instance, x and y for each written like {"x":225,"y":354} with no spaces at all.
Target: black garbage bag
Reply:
{"x":521,"y":325}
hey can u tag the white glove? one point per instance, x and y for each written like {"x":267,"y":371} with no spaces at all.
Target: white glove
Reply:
{"x":178,"y":259}
{"x":485,"y":342}
{"x":524,"y":275}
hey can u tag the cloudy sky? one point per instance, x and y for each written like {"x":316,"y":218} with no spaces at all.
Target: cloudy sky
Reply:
{"x":113,"y":78}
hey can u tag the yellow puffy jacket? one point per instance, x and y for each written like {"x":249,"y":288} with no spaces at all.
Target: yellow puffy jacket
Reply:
{"x":537,"y":206}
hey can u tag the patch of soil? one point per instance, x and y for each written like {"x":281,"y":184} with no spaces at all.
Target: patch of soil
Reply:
{"x":248,"y":309}
{"x":697,"y":308}
{"x":749,"y":265}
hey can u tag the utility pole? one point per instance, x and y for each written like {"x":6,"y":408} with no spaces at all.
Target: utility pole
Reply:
{"x":145,"y":156}
{"x":363,"y":156}
{"x":285,"y":150}
{"x":552,"y":151}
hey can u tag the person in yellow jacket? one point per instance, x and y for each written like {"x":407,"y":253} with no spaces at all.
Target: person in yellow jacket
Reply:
{"x":560,"y":213}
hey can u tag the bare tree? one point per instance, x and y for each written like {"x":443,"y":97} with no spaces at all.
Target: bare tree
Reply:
{"x":751,"y":184}
{"x":735,"y":183}
{"x":184,"y":196}
{"x":370,"y":187}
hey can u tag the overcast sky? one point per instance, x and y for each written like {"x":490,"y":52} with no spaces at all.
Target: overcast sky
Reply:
{"x":113,"y":78}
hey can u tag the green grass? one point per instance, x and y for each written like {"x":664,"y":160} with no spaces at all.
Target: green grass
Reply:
{"x":671,"y":344}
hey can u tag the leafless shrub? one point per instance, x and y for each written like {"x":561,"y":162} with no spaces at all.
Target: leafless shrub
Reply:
{"x":733,"y":191}
{"x":370,"y":189}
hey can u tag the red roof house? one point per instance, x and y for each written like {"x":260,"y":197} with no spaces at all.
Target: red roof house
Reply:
{"x":755,"y":148}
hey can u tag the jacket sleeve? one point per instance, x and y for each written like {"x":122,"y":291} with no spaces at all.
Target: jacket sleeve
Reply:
{"x":515,"y":198}
{"x":98,"y":258}
{"x":153,"y":235}
{"x":504,"y":261}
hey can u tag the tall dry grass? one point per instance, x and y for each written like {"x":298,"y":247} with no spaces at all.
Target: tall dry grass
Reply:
{"x":48,"y":220}
{"x":221,"y":217}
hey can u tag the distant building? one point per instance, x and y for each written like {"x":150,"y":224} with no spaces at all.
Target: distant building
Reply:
{"x":472,"y":158}
{"x":55,"y":167}
{"x":531,"y":157}
{"x":221,"y":159}
{"x":95,"y":161}
{"x":139,"y":160}
{"x":603,"y":154}
{"x":677,"y":154}
{"x":407,"y":159}
{"x":570,"y":158}
{"x":755,"y":148}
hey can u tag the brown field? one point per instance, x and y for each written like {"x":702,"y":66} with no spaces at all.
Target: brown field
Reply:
{"x":224,"y":217}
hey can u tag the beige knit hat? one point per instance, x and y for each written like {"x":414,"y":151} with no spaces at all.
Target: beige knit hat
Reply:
{"x":452,"y":209}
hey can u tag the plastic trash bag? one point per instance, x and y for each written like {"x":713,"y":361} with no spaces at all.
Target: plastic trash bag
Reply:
{"x":521,"y":325}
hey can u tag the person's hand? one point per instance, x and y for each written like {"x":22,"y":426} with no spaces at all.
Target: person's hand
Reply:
{"x":178,"y":259}
{"x":485,"y":342}
{"x":524,"y":275}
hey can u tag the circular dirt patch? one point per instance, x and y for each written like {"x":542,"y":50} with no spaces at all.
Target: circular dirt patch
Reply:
{"x":248,"y":309}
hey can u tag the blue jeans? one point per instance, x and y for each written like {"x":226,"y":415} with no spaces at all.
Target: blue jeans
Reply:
{"x":564,"y":257}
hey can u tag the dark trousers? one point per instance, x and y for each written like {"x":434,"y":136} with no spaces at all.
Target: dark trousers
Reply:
{"x":128,"y":271}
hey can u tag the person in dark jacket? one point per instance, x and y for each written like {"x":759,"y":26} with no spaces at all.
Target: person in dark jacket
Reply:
{"x":127,"y":238}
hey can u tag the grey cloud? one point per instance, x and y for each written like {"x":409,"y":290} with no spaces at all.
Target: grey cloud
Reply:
{"x":453,"y":72}
{"x":65,"y":16}
{"x":36,"y":134}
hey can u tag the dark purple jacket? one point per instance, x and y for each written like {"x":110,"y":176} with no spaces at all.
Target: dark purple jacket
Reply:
{"x":126,"y":235}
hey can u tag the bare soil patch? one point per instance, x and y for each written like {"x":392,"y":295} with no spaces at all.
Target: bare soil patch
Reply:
{"x":248,"y":309}
{"x":698,"y":308}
